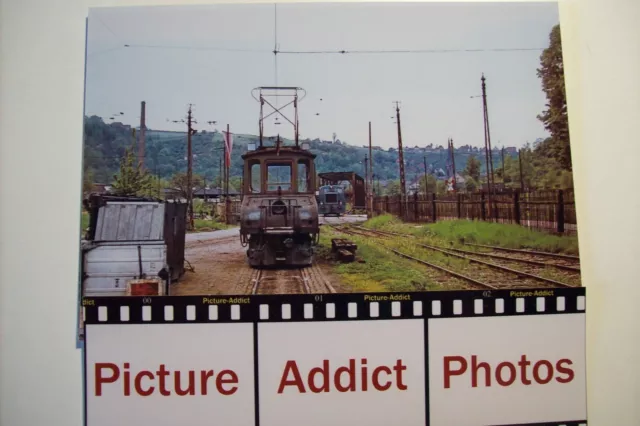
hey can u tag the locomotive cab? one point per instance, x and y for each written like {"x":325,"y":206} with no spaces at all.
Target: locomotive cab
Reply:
{"x":279,"y":213}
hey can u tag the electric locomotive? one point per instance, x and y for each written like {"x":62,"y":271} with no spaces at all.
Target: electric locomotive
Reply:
{"x":279,"y":212}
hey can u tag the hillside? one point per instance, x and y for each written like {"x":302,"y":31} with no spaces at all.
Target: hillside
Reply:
{"x":165,"y":154}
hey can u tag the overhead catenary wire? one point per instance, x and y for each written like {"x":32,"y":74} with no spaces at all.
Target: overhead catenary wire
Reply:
{"x":385,"y":51}
{"x":276,"y":51}
{"x":212,"y":48}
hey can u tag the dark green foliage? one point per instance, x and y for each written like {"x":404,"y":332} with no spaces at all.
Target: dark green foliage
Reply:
{"x":555,"y":117}
{"x":132,"y":179}
{"x":473,"y":168}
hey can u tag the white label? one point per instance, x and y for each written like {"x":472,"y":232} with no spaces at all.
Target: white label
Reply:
{"x":132,"y":371}
{"x":342,"y":373}
{"x":507,"y":370}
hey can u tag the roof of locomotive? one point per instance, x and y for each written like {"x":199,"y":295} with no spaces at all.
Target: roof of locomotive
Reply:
{"x":268,"y":151}
{"x":331,"y":188}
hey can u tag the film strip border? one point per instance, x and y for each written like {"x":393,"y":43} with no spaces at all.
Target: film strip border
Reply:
{"x":331,"y":307}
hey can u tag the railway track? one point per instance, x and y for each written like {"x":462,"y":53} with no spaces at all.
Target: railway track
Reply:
{"x":307,"y":280}
{"x":360,"y":232}
{"x":522,"y":275}
{"x":477,"y":271}
{"x":563,"y":266}
{"x":529,"y":252}
{"x":529,"y":257}
{"x":463,"y":277}
{"x":463,"y":281}
{"x":279,"y":281}
{"x":532,"y":257}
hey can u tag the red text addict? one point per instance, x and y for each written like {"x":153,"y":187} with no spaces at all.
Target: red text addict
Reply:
{"x":343,"y":378}
{"x":163,"y":381}
{"x":506,"y":373}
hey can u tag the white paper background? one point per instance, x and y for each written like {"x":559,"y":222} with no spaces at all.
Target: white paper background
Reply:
{"x":180,"y":347}
{"x":381,"y":342}
{"x":41,"y":85}
{"x":497,"y":339}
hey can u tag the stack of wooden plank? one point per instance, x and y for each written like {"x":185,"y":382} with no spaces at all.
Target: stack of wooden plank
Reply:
{"x":345,"y":250}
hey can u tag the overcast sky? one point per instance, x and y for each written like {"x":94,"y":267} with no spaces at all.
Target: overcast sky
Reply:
{"x":213,"y":56}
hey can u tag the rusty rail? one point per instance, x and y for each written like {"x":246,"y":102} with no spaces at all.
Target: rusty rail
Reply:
{"x":498,"y":267}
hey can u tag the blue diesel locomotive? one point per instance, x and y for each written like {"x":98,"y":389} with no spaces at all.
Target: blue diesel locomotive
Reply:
{"x":331,"y":200}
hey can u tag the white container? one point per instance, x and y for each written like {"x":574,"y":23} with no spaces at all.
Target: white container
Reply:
{"x":109,"y":266}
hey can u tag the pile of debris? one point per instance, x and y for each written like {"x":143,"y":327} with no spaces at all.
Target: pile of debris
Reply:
{"x":344,"y":250}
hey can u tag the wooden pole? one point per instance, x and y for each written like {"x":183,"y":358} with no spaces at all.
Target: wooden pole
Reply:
{"x":370,"y":186}
{"x":189,"y":171}
{"x":226,"y":183}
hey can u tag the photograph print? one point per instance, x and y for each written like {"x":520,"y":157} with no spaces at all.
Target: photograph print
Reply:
{"x":319,"y":148}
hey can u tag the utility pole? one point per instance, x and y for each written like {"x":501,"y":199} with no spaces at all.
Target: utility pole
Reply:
{"x":366,"y":182}
{"x":487,"y":145}
{"x":503,"y":180}
{"x":370,"y":192}
{"x":221,"y":184}
{"x":226,"y":183}
{"x":426,"y":180}
{"x":223,"y":173}
{"x":520,"y":161}
{"x":403,"y":190}
{"x":453,"y":164}
{"x":190,"y":132}
{"x":142,"y":134}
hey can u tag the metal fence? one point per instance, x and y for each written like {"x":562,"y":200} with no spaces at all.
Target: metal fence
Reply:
{"x":547,"y":210}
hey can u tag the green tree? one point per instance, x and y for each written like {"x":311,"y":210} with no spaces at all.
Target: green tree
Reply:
{"x":393,"y":188}
{"x":473,"y":168}
{"x":132,"y":180}
{"x":179,"y":182}
{"x":442,"y":188}
{"x":555,"y":117}
{"x":431,"y":184}
{"x":471,"y":184}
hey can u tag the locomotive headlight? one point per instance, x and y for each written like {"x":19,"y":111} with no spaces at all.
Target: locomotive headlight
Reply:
{"x":253,"y":215}
{"x":305,"y":214}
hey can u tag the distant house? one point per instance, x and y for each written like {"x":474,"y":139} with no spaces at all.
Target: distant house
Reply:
{"x":414,"y":188}
{"x":511,"y":150}
{"x":171,"y":194}
{"x":213,"y":193}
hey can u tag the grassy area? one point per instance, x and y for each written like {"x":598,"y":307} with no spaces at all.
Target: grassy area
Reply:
{"x":478,"y":232}
{"x":381,"y":271}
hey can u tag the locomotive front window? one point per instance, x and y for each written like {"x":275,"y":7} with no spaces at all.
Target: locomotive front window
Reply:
{"x":303,"y":176}
{"x":279,"y":175}
{"x":255,"y":178}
